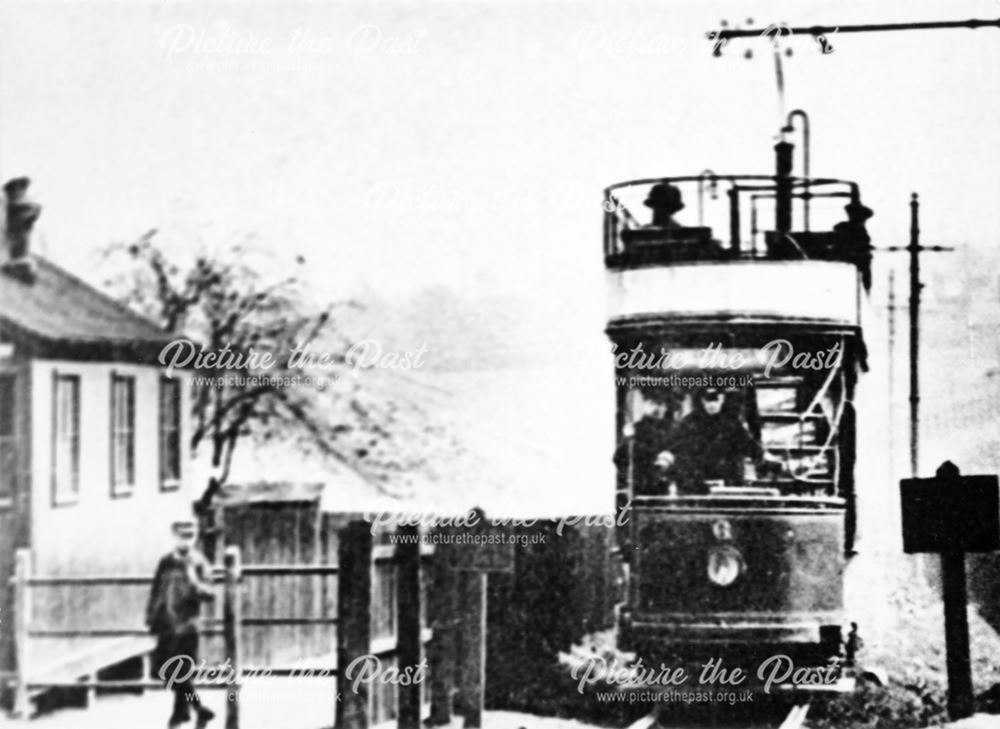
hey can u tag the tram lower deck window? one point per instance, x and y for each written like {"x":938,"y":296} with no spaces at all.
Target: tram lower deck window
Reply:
{"x":689,"y":440}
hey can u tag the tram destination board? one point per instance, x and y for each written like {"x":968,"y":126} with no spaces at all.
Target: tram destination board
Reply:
{"x":942,"y":515}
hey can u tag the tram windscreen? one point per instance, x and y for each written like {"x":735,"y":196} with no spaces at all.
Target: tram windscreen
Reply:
{"x":702,"y":431}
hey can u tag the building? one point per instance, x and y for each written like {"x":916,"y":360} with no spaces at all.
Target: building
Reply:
{"x":93,"y":443}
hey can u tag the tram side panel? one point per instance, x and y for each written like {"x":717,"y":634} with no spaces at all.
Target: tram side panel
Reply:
{"x":772,"y":577}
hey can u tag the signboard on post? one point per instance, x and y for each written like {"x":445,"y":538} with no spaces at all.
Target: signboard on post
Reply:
{"x":484,"y":547}
{"x":952,"y":514}
{"x":476,"y":552}
{"x":487,"y":551}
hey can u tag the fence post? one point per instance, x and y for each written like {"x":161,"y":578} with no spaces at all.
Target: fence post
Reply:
{"x":443,"y":616}
{"x":408,"y":636}
{"x":22,"y":620}
{"x":232,"y":619}
{"x":354,"y":591}
{"x":472,"y":658}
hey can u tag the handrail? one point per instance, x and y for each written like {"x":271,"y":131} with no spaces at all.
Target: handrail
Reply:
{"x":632,"y":240}
{"x":795,"y":181}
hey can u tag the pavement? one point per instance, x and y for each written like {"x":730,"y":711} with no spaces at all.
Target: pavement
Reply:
{"x":268,"y":703}
{"x":283,"y":707}
{"x":287,"y":704}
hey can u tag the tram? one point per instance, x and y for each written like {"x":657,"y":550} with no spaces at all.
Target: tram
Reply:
{"x":737,"y":337}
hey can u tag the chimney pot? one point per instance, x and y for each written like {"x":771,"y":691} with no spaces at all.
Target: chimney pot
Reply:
{"x":21,"y":213}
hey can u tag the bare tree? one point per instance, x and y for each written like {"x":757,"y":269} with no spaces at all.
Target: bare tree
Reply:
{"x":227,"y":307}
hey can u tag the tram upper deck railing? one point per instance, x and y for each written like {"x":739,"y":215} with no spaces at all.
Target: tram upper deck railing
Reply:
{"x":735,"y":217}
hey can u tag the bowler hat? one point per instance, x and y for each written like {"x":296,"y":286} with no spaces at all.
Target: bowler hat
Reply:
{"x":857,"y":211}
{"x":664,"y":196}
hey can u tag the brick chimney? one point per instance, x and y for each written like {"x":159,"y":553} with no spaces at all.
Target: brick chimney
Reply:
{"x":19,"y":216}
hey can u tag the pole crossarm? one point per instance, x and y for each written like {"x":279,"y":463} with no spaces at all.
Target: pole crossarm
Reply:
{"x":921,"y":249}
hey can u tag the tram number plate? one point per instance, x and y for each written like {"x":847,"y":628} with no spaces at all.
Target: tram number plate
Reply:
{"x":954,"y":515}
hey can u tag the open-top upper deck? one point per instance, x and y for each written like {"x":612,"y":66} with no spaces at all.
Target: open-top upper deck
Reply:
{"x":735,"y":217}
{"x":737,"y":247}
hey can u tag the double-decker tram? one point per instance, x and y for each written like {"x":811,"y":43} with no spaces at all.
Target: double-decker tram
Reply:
{"x":737,"y":339}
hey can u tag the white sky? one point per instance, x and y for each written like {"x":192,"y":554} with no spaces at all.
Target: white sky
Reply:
{"x":494,"y":126}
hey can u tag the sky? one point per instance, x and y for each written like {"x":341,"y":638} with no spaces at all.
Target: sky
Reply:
{"x":410,"y":148}
{"x":406,"y":144}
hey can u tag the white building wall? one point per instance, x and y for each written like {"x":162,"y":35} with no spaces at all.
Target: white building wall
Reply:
{"x":101,"y":533}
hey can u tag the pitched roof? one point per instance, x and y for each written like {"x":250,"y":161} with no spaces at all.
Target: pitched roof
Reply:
{"x":58,"y":314}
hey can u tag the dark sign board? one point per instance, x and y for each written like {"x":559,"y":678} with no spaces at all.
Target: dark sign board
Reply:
{"x":485,"y":549}
{"x":960,"y":514}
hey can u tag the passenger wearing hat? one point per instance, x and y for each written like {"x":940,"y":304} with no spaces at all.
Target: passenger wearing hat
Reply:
{"x":856,"y":243}
{"x":649,"y":445}
{"x":712,"y":443}
{"x":179,"y":587}
{"x":664,"y":200}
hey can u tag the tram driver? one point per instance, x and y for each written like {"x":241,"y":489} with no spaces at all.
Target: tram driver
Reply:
{"x":712,"y":444}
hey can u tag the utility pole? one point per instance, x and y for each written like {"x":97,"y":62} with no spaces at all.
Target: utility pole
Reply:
{"x":915,"y":286}
{"x":892,"y":367}
{"x":915,"y":249}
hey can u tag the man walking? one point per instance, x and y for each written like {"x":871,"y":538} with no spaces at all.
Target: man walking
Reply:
{"x":179,"y":588}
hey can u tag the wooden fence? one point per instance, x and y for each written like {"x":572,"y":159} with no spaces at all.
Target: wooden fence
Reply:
{"x":376,"y":594}
{"x":323,"y":587}
{"x":562,"y":586}
{"x":285,"y":534}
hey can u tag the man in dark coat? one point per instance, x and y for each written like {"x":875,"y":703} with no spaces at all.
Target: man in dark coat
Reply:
{"x":179,"y":588}
{"x":649,"y":446}
{"x":712,"y":444}
{"x":855,"y":242}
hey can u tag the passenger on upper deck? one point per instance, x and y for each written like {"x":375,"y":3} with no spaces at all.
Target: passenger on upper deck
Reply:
{"x":855,"y":239}
{"x":665,"y":240}
{"x":650,"y":440}
{"x":664,"y":200}
{"x":711,"y":443}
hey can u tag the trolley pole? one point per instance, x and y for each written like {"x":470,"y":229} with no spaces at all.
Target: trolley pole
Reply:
{"x":721,"y":37}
